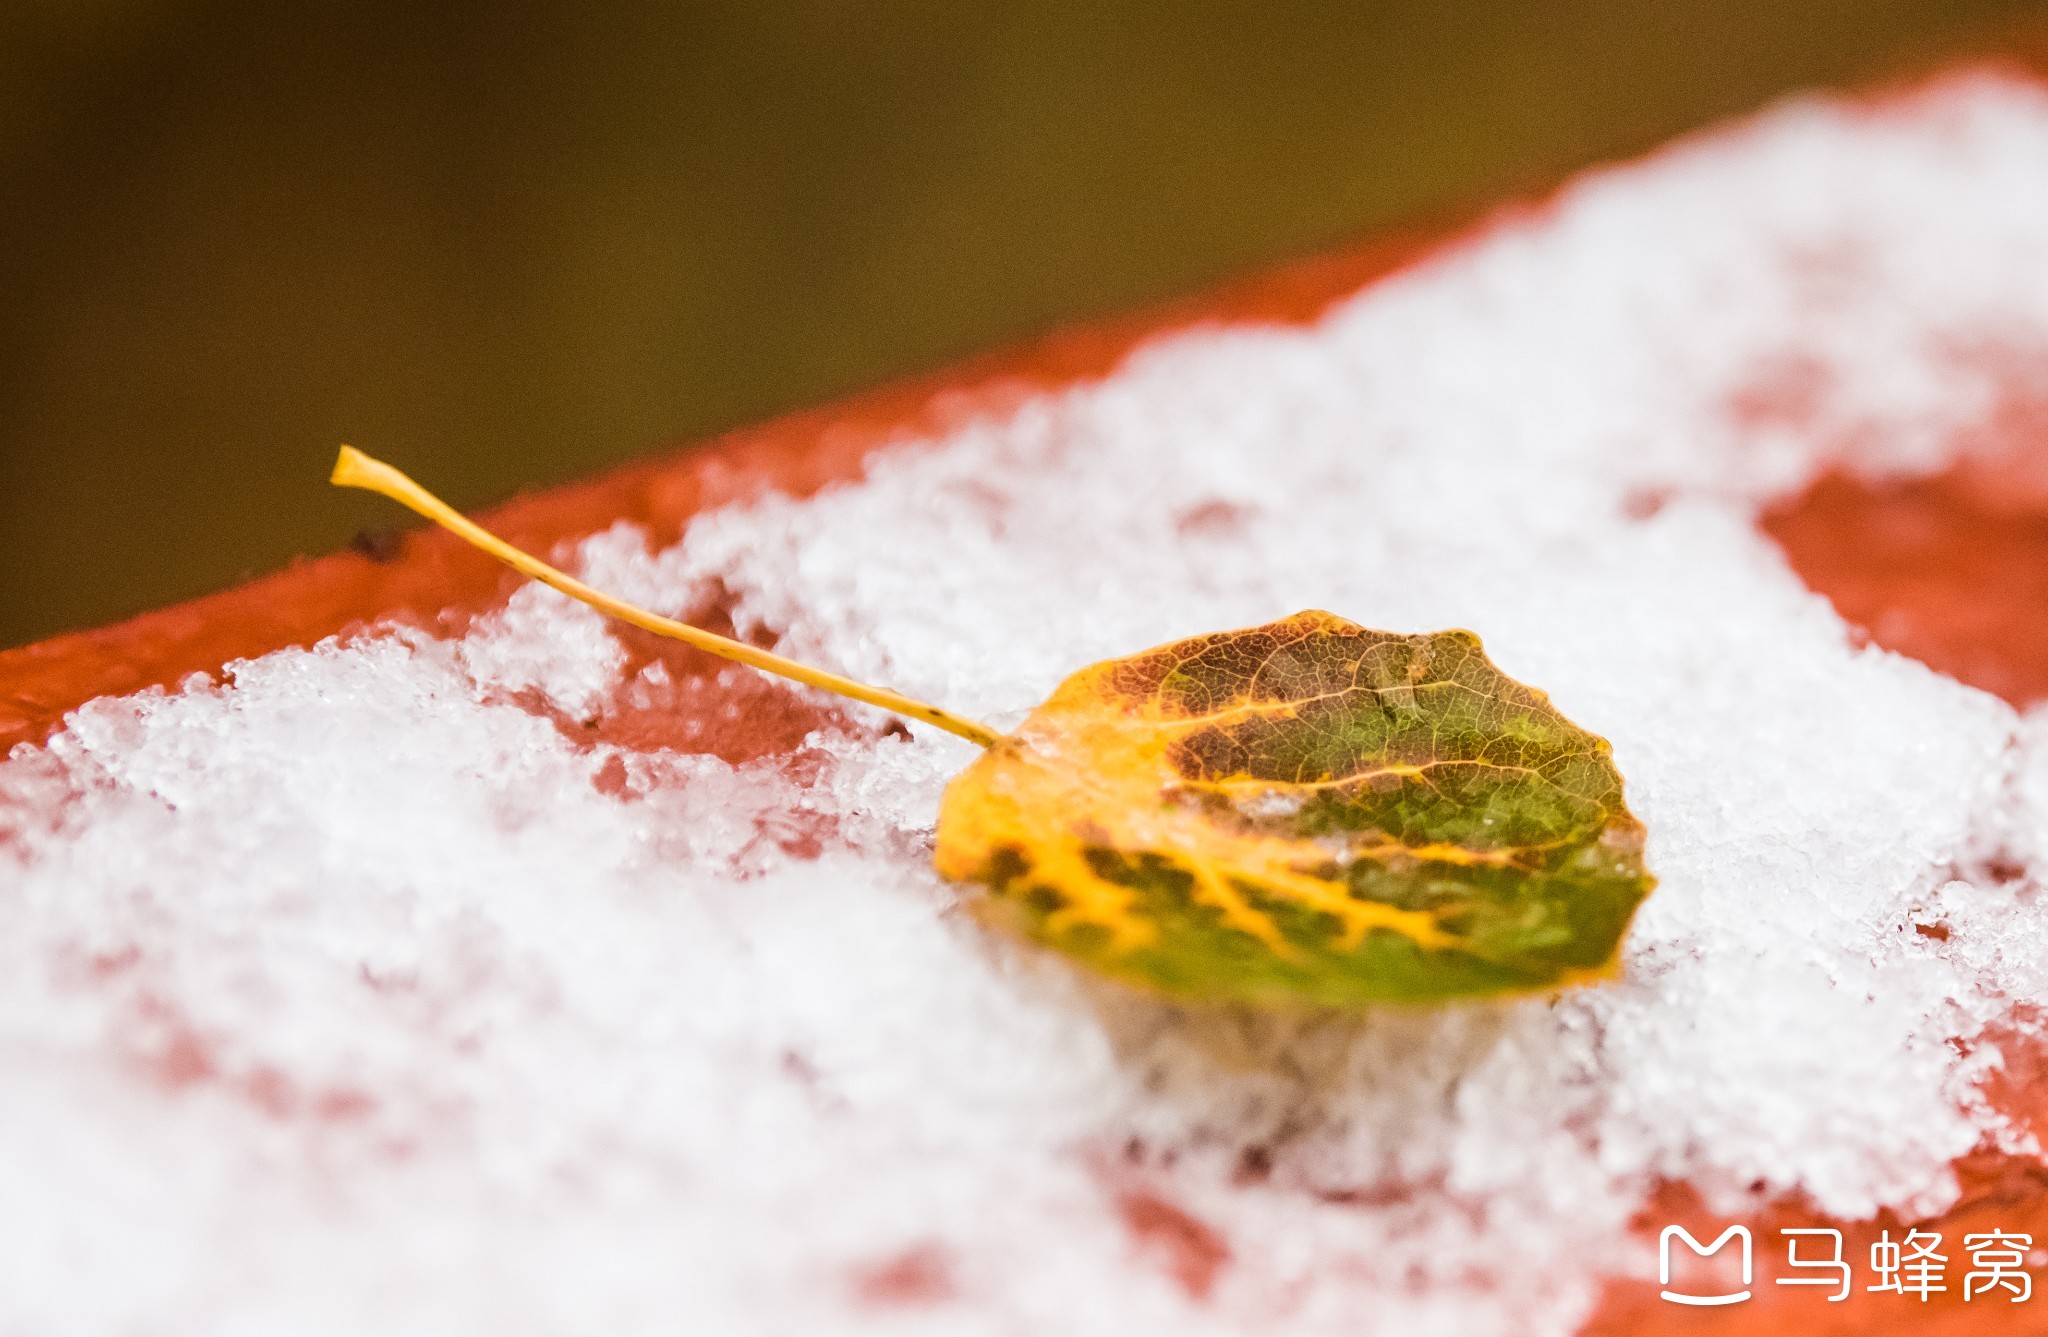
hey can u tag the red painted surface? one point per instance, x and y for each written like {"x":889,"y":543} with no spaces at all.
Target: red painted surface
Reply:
{"x":1950,"y":570}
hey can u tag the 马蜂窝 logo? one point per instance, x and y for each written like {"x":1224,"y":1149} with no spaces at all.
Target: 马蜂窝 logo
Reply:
{"x":1664,"y":1264}
{"x":2002,"y":1264}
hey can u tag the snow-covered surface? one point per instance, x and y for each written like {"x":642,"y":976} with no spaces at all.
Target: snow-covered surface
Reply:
{"x":337,"y":997}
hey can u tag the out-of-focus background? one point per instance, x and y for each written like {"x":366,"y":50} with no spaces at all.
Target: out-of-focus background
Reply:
{"x":509,"y":244}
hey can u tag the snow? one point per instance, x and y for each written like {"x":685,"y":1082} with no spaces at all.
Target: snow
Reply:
{"x":336,"y":997}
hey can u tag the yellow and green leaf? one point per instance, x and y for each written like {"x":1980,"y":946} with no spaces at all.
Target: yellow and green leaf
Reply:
{"x":1307,"y":813}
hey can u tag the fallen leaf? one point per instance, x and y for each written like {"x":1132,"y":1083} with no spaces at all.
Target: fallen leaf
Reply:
{"x":1302,"y":814}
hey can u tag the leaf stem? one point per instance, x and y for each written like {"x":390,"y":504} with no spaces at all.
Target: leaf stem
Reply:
{"x":355,"y":469}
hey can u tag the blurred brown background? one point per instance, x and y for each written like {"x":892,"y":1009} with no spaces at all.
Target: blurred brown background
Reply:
{"x":507,"y":245}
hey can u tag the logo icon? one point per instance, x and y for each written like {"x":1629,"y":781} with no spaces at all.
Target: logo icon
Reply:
{"x":1664,"y":1264}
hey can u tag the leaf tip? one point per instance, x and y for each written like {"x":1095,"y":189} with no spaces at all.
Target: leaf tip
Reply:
{"x":351,"y":468}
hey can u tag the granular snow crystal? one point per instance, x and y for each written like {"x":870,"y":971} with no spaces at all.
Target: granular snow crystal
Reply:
{"x":350,"y":992}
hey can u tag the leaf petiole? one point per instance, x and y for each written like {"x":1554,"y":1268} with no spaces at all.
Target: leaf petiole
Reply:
{"x":352,"y":468}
